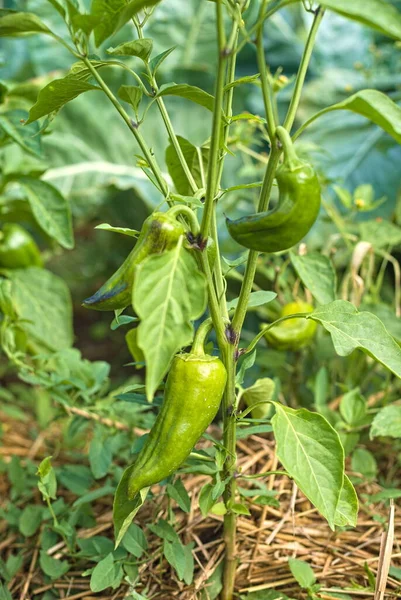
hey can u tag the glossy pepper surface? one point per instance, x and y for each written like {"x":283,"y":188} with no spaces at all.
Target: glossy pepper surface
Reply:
{"x":292,"y":334}
{"x":193,"y":393}
{"x":290,"y":220}
{"x":18,"y":249}
{"x":160,"y":232}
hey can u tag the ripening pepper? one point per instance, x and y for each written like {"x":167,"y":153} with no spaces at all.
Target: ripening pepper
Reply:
{"x":160,"y":232}
{"x":292,"y":334}
{"x":193,"y":392}
{"x":296,"y":211}
{"x":18,"y":249}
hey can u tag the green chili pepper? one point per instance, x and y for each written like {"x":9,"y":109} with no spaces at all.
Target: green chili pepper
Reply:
{"x":194,"y":389}
{"x":18,"y":249}
{"x":160,"y":232}
{"x":292,"y":334}
{"x":296,"y":211}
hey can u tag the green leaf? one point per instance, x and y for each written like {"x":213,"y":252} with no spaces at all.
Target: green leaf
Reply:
{"x":115,"y":14}
{"x":347,"y":507}
{"x":103,"y":574}
{"x":381,"y":234}
{"x":353,"y":407}
{"x":100,"y":457}
{"x":57,"y":93}
{"x":351,"y":330}
{"x":317,"y":273}
{"x":261,"y":391}
{"x":131,"y":94}
{"x":181,"y":559}
{"x":51,"y":210}
{"x":164,"y":530}
{"x":302,"y":572}
{"x":25,"y":136}
{"x":4,"y":592}
{"x":387,"y":422}
{"x":43,"y":300}
{"x":190,"y":92}
{"x":196,"y":159}
{"x":124,"y":230}
{"x":247,"y":362}
{"x":206,"y":499}
{"x":134,"y":541}
{"x":178,"y":493}
{"x":363,"y":462}
{"x":125,"y":509}
{"x":140,"y":48}
{"x":372,"y":104}
{"x":379,"y":14}
{"x":51,"y":566}
{"x":30,"y":519}
{"x":17,"y":23}
{"x":157,"y":61}
{"x":255,"y":299}
{"x":311,"y":452}
{"x":169,"y":292}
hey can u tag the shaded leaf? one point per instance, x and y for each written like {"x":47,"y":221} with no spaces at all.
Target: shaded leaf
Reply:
{"x":379,"y":14}
{"x":140,"y":48}
{"x":125,"y":509}
{"x":347,"y":507}
{"x":190,"y":92}
{"x":18,"y":23}
{"x":24,"y":136}
{"x":317,"y":273}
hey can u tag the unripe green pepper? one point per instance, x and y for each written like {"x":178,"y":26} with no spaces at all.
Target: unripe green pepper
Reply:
{"x":296,"y":211}
{"x":292,"y":334}
{"x":193,"y":392}
{"x":258,"y":396}
{"x":18,"y":249}
{"x":160,"y":232}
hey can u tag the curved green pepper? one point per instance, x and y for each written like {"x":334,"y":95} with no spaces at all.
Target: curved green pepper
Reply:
{"x":296,"y":211}
{"x":160,"y":232}
{"x":18,"y":249}
{"x":194,"y":389}
{"x":292,"y":334}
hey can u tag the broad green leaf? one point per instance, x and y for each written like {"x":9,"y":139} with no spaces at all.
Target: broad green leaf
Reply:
{"x":140,"y":48}
{"x":79,"y":70}
{"x":30,"y":519}
{"x":311,"y":452}
{"x":115,"y":14}
{"x":43,"y":300}
{"x":387,"y":422}
{"x":379,"y":14}
{"x":363,"y":462}
{"x":372,"y":104}
{"x":103,"y":574}
{"x":134,"y":541}
{"x":381,"y":234}
{"x":197,"y":161}
{"x":131,"y":94}
{"x":255,"y":299}
{"x":169,"y":292}
{"x":317,"y":273}
{"x":57,"y":93}
{"x":11,"y":125}
{"x":190,"y":92}
{"x":125,"y":509}
{"x":351,"y":330}
{"x":178,"y":493}
{"x":51,"y":566}
{"x":353,"y":407}
{"x":159,"y":59}
{"x":19,"y":23}
{"x":302,"y":572}
{"x":85,"y":23}
{"x":50,"y":209}
{"x":100,"y":457}
{"x":347,"y":507}
{"x":181,"y":559}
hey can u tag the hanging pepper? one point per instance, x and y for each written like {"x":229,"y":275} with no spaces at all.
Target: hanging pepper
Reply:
{"x":160,"y":232}
{"x":297,"y":208}
{"x":193,"y":392}
{"x":18,"y":249}
{"x":292,"y":334}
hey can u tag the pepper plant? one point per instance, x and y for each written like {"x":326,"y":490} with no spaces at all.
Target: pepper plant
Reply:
{"x":174,"y":276}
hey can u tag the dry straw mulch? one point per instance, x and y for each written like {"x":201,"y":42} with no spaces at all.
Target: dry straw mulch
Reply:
{"x":266,"y":539}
